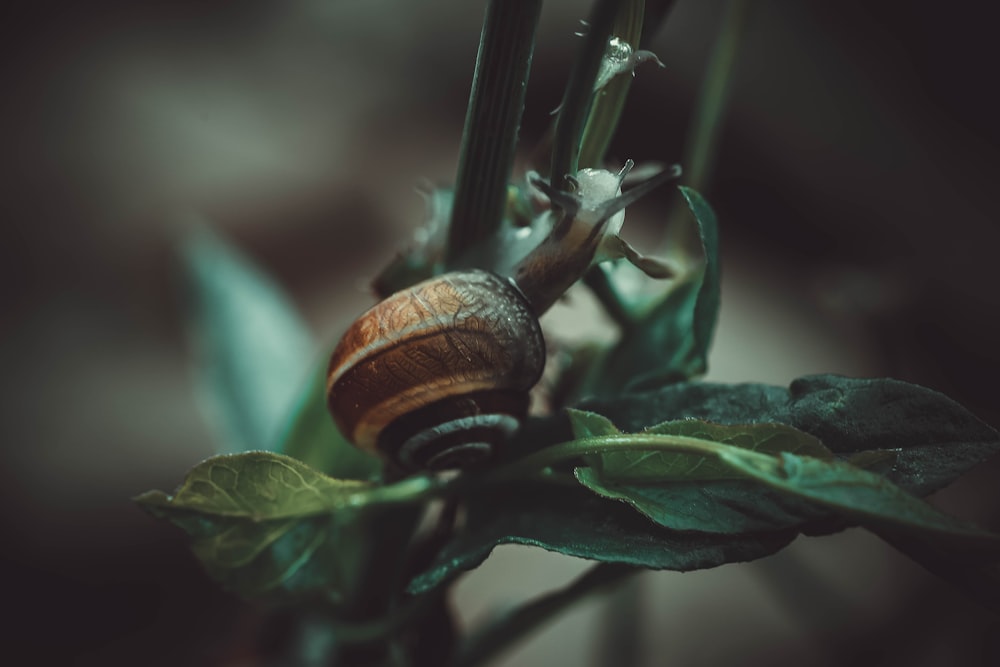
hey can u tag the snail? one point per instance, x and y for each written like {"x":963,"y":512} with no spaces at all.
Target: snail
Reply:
{"x":438,"y":375}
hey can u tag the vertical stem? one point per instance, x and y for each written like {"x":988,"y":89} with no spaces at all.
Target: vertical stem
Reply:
{"x":493,"y":640}
{"x":621,"y":627}
{"x":703,"y":138}
{"x":711,"y":104}
{"x":576,"y":101}
{"x":381,"y":580}
{"x":635,"y":24}
{"x":607,"y":105}
{"x":491,"y":123}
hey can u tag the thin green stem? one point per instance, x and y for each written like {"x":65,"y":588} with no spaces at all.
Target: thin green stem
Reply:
{"x":529,"y":617}
{"x":711,"y":105}
{"x":608,"y":103}
{"x":620,"y":628}
{"x":576,"y":103}
{"x":703,"y":138}
{"x":680,"y":444}
{"x":538,"y":466}
{"x":409,"y":490}
{"x":492,"y":121}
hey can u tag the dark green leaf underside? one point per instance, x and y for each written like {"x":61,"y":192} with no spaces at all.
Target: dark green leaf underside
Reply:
{"x":268,"y":526}
{"x":573,"y":521}
{"x":934,"y":438}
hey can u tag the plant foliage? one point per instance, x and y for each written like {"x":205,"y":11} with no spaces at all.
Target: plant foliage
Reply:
{"x":641,"y":466}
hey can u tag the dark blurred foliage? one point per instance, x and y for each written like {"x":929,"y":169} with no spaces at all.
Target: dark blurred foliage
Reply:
{"x":858,"y":161}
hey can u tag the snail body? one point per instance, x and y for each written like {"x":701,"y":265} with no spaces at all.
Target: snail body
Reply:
{"x":437,"y":375}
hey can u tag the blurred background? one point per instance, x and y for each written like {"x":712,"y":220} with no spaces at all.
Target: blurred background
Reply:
{"x":855,"y":187}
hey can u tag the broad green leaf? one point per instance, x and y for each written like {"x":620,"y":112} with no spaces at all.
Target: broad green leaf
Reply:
{"x":852,"y":493}
{"x":258,"y":486}
{"x":279,"y":560}
{"x":268,"y":526}
{"x":670,"y":340}
{"x":658,"y":466}
{"x":314,"y":439}
{"x":571,"y":520}
{"x":934,"y":438}
{"x":253,"y":348}
{"x":866,"y":497}
{"x":691,"y":492}
{"x":731,"y":507}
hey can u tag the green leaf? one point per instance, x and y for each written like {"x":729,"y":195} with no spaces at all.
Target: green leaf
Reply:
{"x":865,"y":497}
{"x":686,"y":491}
{"x":731,"y":507}
{"x":266,"y":525}
{"x":670,"y":340}
{"x":706,"y":307}
{"x":258,"y":486}
{"x":314,"y":439}
{"x":659,"y":466}
{"x":571,"y":520}
{"x":642,"y":470}
{"x":253,"y":348}
{"x":935,"y":439}
{"x":586,"y":424}
{"x":918,"y":439}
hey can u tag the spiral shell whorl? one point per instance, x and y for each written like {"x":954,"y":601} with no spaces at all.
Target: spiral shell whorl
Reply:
{"x":438,"y":374}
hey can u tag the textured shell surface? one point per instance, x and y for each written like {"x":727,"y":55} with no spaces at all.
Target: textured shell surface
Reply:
{"x":451,"y":336}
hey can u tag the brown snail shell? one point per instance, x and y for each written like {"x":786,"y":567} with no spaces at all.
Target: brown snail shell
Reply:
{"x":436,"y":375}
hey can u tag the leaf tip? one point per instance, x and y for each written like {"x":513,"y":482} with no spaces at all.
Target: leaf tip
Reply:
{"x":587,"y":424}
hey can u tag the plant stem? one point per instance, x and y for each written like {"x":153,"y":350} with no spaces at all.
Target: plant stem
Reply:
{"x":703,"y":138}
{"x":529,"y":617}
{"x":711,"y":104}
{"x":653,"y":442}
{"x":537,"y":465}
{"x":621,"y":627}
{"x":576,"y":103}
{"x":492,"y":120}
{"x":606,"y":107}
